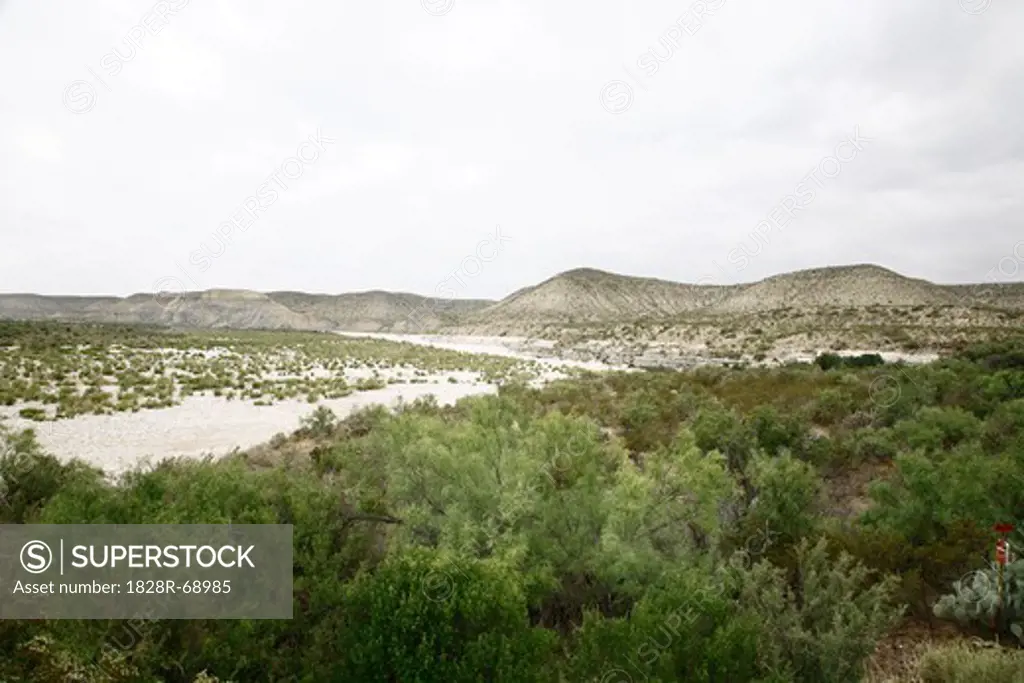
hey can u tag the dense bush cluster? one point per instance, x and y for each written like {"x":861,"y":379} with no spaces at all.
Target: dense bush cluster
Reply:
{"x":831,"y":361}
{"x":717,"y":525}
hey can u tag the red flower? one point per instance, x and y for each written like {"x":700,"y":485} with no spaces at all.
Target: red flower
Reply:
{"x":1003,"y":528}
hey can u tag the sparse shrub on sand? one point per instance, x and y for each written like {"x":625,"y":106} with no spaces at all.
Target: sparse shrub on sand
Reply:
{"x":320,"y":423}
{"x":101,"y":369}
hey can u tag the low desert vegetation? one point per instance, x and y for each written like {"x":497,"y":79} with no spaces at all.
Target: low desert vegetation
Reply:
{"x":759,"y":524}
{"x":56,"y":371}
{"x":759,"y":336}
{"x":962,"y":664}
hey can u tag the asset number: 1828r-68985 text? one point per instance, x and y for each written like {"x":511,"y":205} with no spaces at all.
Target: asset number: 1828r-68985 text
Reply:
{"x":169,"y":587}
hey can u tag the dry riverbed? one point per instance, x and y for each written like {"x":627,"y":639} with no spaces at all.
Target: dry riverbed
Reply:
{"x":116,"y":397}
{"x":207,"y":425}
{"x":542,"y":351}
{"x":216,"y":421}
{"x":207,"y":422}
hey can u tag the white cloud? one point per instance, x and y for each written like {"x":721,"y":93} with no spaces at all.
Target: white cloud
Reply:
{"x":182,"y":70}
{"x":39,"y":144}
{"x":490,"y":114}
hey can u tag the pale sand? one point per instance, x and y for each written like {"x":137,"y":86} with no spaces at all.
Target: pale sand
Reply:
{"x":204,"y":425}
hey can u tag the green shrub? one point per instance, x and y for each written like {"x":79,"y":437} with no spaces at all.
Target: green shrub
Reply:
{"x":651,"y":416}
{"x":1006,"y":354}
{"x":958,"y":663}
{"x":832,"y":361}
{"x":426,"y":616}
{"x":925,"y":570}
{"x":319,"y":424}
{"x":935,"y":429}
{"x":866,"y":360}
{"x":824,"y":626}
{"x":873,"y":445}
{"x":829,"y":361}
{"x":719,"y":429}
{"x":1004,"y":429}
{"x":688,"y":628}
{"x":29,"y":478}
{"x":776,"y":432}
{"x":927,"y":496}
{"x":329,"y":548}
{"x":34,"y":414}
{"x":371,"y":383}
{"x":831,"y":406}
{"x":787,"y":493}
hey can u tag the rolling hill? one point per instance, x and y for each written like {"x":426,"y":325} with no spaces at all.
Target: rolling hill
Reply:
{"x":854,"y":286}
{"x":244,"y":309}
{"x":582,"y":295}
{"x":378,"y":310}
{"x":587,"y":294}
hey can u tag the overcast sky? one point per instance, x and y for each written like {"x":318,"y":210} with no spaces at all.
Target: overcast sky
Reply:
{"x":645,"y":137}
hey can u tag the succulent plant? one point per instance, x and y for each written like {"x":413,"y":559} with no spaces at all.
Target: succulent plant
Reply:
{"x":975,"y":599}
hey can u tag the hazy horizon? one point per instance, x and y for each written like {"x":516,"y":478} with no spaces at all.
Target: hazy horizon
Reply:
{"x":467,"y":298}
